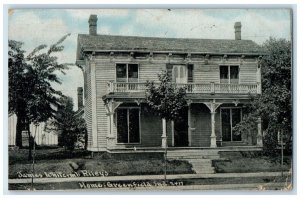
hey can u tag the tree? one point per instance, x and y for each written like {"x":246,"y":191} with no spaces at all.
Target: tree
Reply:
{"x":31,"y":95}
{"x":167,"y":101}
{"x":70,"y":126}
{"x":16,"y":69}
{"x":274,"y":105}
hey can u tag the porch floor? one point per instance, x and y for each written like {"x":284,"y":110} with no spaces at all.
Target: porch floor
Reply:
{"x":180,"y":149}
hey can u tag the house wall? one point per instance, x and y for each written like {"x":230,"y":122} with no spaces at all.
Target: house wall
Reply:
{"x":206,"y":73}
{"x":101,"y":69}
{"x":248,"y":73}
{"x":211,"y":73}
{"x":88,"y":102}
{"x":149,"y":71}
{"x":151,"y":129}
{"x":104,"y":72}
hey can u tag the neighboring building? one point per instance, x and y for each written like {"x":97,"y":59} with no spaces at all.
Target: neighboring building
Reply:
{"x":221,"y":76}
{"x":42,"y":137}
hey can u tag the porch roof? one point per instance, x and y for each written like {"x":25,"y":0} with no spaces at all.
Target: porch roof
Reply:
{"x":194,"y":97}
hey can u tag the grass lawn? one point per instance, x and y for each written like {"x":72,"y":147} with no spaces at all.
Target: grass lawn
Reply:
{"x":246,"y":162}
{"x":56,"y":160}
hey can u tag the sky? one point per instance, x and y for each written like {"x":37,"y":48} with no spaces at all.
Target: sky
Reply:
{"x":46,"y":26}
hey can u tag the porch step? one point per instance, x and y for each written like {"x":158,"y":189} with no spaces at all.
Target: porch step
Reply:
{"x":224,"y":144}
{"x":193,"y":154}
{"x":187,"y":156}
{"x":202,"y":165}
{"x":200,"y":159}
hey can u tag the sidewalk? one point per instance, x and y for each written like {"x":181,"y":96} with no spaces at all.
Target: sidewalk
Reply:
{"x":146,"y":177}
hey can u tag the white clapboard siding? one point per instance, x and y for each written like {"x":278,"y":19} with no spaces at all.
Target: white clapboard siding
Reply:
{"x":41,"y":136}
{"x":88,"y":103}
{"x":101,"y":88}
{"x":205,"y":74}
{"x":248,"y":73}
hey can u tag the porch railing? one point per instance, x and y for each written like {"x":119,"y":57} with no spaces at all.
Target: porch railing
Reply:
{"x":113,"y":87}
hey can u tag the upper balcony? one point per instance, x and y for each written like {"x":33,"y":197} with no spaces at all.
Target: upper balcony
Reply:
{"x":191,"y":88}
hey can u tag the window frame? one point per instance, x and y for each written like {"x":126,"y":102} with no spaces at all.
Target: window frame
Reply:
{"x":178,"y":66}
{"x":192,"y":72}
{"x":140,"y":138}
{"x":127,"y":72}
{"x":231,"y":133}
{"x":228,"y":67}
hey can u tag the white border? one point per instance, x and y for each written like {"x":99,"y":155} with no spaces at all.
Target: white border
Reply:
{"x":120,"y":3}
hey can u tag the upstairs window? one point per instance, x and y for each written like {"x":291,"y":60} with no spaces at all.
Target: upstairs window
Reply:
{"x":190,"y":73}
{"x":133,"y":72}
{"x":121,"y":73}
{"x":127,"y":72}
{"x":180,"y":74}
{"x":229,"y":74}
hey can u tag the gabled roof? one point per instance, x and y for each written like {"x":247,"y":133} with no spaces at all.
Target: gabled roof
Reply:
{"x":133,"y":43}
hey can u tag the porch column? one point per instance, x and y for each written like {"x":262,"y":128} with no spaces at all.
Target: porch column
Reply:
{"x":189,"y":125}
{"x":110,"y":130}
{"x":259,"y":133}
{"x":213,"y":137}
{"x":110,"y":111}
{"x":108,"y":125}
{"x":164,"y":134}
{"x":258,"y":79}
{"x":213,"y":107}
{"x":172,"y":132}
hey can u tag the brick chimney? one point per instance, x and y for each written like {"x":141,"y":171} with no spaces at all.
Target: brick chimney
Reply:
{"x":80,"y":97}
{"x":237,"y":30}
{"x":93,"y":25}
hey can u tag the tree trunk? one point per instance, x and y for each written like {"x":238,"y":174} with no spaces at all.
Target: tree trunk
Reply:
{"x":19,"y":133}
{"x":30,"y":143}
{"x":19,"y":129}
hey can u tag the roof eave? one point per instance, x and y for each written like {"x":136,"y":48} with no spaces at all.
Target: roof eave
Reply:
{"x":174,"y":51}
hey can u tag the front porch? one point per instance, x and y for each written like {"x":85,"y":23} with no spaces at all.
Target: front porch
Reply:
{"x":206,"y":125}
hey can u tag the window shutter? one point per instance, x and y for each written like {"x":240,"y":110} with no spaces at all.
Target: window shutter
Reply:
{"x":190,"y":73}
{"x":169,"y":71}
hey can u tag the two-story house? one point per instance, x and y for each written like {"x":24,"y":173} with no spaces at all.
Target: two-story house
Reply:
{"x":220,"y":75}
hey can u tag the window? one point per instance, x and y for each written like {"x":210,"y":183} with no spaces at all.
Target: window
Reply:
{"x":230,"y":118}
{"x":190,"y":73}
{"x":180,"y":74}
{"x":127,"y":72}
{"x":128,"y":125}
{"x":229,"y":74}
{"x":132,"y":72}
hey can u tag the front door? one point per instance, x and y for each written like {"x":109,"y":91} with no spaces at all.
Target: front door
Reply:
{"x":181,"y":138}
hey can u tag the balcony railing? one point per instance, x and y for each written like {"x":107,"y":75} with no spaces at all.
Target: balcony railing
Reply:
{"x":211,"y":88}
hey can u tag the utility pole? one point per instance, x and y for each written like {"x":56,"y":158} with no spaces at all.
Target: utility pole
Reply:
{"x":33,"y":158}
{"x":281,"y":140}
